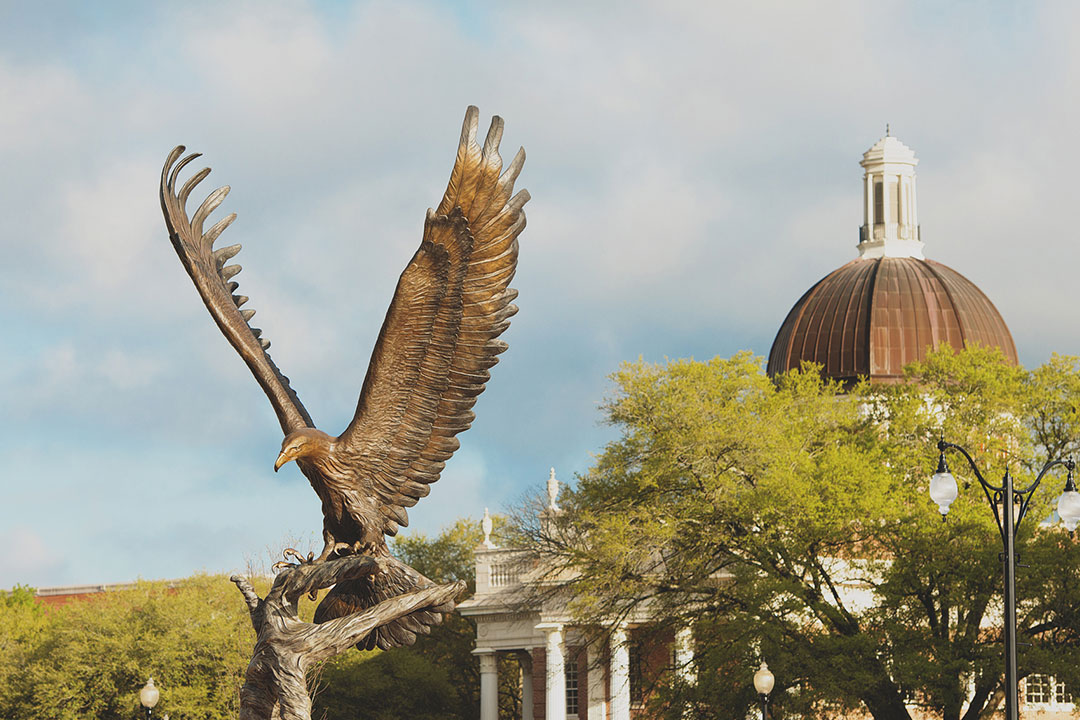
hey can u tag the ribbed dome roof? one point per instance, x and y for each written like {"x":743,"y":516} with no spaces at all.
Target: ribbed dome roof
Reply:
{"x":872,"y":317}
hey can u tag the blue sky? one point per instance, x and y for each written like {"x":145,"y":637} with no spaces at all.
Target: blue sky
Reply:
{"x":693,"y":167}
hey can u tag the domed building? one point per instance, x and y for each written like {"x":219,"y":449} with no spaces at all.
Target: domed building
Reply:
{"x":887,"y":308}
{"x":867,"y":318}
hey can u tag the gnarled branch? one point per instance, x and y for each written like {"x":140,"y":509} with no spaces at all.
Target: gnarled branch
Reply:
{"x":275,"y":684}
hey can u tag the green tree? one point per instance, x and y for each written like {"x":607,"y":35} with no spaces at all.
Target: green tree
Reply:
{"x":791,"y":521}
{"x":88,"y":658}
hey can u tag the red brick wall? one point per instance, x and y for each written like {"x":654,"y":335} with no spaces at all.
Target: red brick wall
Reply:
{"x":655,"y":661}
{"x":539,"y":656}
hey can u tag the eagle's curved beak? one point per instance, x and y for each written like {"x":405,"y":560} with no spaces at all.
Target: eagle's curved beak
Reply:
{"x":282,"y":458}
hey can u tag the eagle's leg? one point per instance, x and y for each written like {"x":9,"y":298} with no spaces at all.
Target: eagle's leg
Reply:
{"x":331,"y":546}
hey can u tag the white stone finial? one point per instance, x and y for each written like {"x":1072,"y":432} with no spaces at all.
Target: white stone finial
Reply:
{"x":890,"y":209}
{"x":553,"y":491}
{"x":486,"y":524}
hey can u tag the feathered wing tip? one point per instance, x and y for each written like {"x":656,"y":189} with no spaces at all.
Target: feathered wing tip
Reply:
{"x":357,"y":595}
{"x":441,"y":332}
{"x":475,"y":184}
{"x":214,"y":280}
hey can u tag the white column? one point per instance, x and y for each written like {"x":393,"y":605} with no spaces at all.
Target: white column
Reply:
{"x":868,"y":213}
{"x":914,"y":210}
{"x":596,"y":695}
{"x":555,"y":672}
{"x":489,"y":684}
{"x":620,"y":675}
{"x":684,"y":654}
{"x":527,"y":700}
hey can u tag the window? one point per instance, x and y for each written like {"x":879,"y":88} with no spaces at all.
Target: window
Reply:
{"x":1046,"y":690}
{"x":637,"y":690}
{"x":570,"y":667}
{"x":1038,"y":688}
{"x":879,"y":203}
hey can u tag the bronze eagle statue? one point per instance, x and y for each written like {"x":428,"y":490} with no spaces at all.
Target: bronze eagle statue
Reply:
{"x":431,"y":360}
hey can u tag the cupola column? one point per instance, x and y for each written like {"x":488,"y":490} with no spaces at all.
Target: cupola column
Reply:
{"x":868,"y":211}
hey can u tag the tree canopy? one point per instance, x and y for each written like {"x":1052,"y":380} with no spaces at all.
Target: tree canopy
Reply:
{"x":790,"y":521}
{"x":90,"y":657}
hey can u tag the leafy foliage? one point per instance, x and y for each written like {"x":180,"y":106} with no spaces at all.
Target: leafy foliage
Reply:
{"x":791,"y":521}
{"x":90,"y":657}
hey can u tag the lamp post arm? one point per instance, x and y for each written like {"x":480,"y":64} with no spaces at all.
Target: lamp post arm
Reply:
{"x":1027,"y":493}
{"x":943,"y":446}
{"x":998,"y":492}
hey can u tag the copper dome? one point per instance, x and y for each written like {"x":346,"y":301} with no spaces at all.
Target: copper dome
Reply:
{"x":872,"y":317}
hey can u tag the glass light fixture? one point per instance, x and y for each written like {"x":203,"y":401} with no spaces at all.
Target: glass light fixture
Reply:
{"x":943,"y":488}
{"x":763,"y":680}
{"x":148,"y":696}
{"x":1068,"y":505}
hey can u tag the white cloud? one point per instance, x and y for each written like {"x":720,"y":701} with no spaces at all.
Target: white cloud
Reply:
{"x":40,"y":104}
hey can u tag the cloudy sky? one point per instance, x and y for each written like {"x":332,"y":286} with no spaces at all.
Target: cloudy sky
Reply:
{"x":693,"y":167}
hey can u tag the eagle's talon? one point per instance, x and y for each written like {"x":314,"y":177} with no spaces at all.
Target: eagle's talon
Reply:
{"x":293,"y":559}
{"x":289,"y":552}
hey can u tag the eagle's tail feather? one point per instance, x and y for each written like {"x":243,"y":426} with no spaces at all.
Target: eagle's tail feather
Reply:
{"x":357,"y":595}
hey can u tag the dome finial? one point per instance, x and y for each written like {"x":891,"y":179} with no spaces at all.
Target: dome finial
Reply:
{"x":887,"y":130}
{"x":552,"y":491}
{"x":487,"y":526}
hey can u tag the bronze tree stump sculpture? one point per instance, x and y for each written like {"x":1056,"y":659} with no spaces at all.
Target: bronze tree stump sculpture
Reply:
{"x":431,"y":361}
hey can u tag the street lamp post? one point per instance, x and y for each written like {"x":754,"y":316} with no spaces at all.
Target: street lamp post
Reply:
{"x":943,"y":491}
{"x":148,"y":697}
{"x":763,"y":683}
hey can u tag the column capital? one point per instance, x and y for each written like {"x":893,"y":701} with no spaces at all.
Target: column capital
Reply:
{"x":488,"y":660}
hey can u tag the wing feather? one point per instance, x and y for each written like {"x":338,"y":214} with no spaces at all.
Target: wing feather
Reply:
{"x":439,"y":339}
{"x":214,"y":281}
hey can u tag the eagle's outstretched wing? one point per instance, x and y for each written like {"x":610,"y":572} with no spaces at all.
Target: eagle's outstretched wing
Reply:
{"x":440,"y":334}
{"x":214,"y":281}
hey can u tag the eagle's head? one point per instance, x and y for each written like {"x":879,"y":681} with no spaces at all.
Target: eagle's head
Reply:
{"x":307,"y":442}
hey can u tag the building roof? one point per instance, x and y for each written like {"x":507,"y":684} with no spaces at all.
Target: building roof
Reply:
{"x":871,"y":317}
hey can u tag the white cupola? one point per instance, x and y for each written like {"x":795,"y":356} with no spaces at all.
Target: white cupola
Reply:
{"x":890,"y":212}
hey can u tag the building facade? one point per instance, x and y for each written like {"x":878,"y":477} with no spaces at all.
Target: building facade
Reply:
{"x":566,"y":674}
